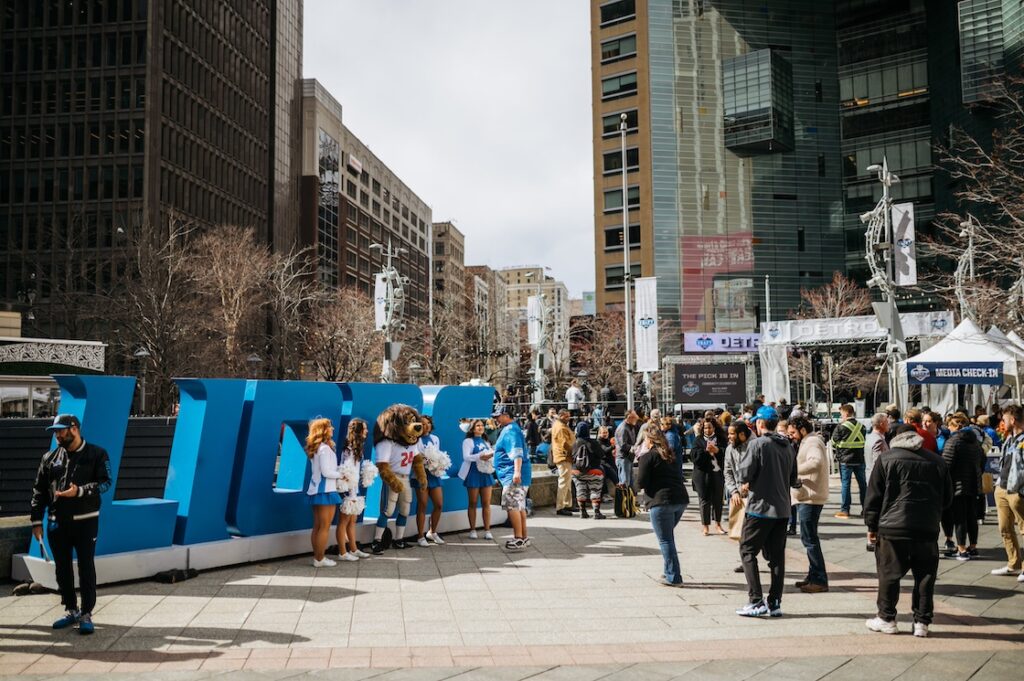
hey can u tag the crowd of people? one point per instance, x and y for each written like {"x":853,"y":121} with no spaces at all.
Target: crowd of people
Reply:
{"x":921,"y":477}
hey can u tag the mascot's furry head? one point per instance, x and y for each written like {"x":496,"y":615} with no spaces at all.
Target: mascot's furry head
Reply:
{"x":400,"y":423}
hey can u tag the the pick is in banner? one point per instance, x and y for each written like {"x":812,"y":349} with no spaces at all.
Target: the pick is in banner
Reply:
{"x":645,"y":324}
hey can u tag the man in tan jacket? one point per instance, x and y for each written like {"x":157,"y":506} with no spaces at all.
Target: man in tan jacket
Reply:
{"x":810,"y":498}
{"x":562,"y":440}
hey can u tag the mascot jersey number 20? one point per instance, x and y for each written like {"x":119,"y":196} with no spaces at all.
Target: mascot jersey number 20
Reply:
{"x":397,"y":452}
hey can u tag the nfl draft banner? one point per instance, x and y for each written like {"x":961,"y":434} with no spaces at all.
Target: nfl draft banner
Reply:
{"x":380,"y":296}
{"x":721,"y":342}
{"x":645,"y":325}
{"x":534,"y":311}
{"x":903,"y":235}
{"x":960,"y":373}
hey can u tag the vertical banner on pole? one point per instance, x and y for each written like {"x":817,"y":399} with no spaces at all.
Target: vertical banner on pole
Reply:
{"x":380,"y":295}
{"x":645,"y":324}
{"x":903,"y":236}
{"x":533,"y":319}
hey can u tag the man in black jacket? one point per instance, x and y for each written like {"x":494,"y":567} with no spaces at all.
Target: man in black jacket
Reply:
{"x":908,"y":490}
{"x":69,"y":482}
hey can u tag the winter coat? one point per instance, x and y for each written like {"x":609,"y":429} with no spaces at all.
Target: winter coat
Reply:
{"x":812,"y":469}
{"x":908,"y":490}
{"x":769,"y":467}
{"x":561,"y":442}
{"x":703,"y":460}
{"x":963,"y":456}
{"x":733,"y":456}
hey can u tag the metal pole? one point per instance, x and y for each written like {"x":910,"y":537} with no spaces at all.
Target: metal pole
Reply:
{"x":142,"y":396}
{"x":767,"y":300}
{"x":892,"y":358}
{"x":538,"y":369}
{"x":385,"y":370}
{"x":626,"y":269}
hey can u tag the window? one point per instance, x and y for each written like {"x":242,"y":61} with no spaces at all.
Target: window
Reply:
{"x":622,"y":85}
{"x":613,"y":160}
{"x":613,"y":199}
{"x":618,"y":48}
{"x":613,"y":237}
{"x":617,"y":11}
{"x":613,"y":275}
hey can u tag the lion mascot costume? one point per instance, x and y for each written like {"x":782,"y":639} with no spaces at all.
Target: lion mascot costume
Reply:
{"x":397,"y":453}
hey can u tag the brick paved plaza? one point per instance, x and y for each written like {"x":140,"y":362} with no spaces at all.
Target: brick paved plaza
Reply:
{"x":582,"y":603}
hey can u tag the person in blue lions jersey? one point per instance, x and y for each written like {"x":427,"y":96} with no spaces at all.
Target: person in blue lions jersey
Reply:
{"x":515,"y":474}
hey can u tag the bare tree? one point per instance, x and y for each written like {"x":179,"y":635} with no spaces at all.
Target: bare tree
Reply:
{"x":230,"y":271}
{"x":601,"y":349}
{"x":842,"y":297}
{"x":340,"y":338}
{"x":290,"y":291}
{"x":443,"y":345}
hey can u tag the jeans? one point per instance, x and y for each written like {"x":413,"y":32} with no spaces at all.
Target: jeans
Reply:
{"x":70,"y":539}
{"x":767,"y":536}
{"x":845,"y":471}
{"x":893,"y":558}
{"x":664,"y":518}
{"x":808,"y":515}
{"x":625,"y":467}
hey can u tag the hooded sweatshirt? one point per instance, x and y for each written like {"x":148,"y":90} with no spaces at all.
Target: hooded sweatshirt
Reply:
{"x":769,"y":466}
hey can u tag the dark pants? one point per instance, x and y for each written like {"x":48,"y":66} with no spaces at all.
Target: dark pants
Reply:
{"x":808,"y":515}
{"x":710,"y":487}
{"x":965,"y":519}
{"x":68,"y":539}
{"x":664,"y":519}
{"x":768,"y":536}
{"x":947,"y":521}
{"x":846,"y":470}
{"x":894,"y":558}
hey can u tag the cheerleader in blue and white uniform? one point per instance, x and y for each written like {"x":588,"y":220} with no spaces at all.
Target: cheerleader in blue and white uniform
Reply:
{"x":353,"y":502}
{"x":477,"y":453}
{"x":434,"y":492}
{"x":322,"y":493}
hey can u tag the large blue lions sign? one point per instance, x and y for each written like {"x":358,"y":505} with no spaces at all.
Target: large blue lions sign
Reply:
{"x":237,"y":465}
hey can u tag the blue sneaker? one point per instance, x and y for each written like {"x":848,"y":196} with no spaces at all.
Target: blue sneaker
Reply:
{"x":759,"y":609}
{"x":70,"y":618}
{"x":85,"y":625}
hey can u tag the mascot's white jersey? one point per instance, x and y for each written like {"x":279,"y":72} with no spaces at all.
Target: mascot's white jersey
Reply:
{"x":399,"y":455}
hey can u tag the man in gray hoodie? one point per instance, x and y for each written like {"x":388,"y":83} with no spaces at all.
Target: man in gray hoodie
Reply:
{"x":766,"y":474}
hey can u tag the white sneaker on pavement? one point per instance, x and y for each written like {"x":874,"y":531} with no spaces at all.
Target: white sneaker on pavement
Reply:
{"x":326,"y":562}
{"x":435,"y":537}
{"x":1020,"y":577}
{"x":472,"y":534}
{"x":920,"y":630}
{"x":488,"y":535}
{"x":349,"y":557}
{"x":361,"y":554}
{"x":422,"y":541}
{"x":881,"y":626}
{"x":1003,"y":572}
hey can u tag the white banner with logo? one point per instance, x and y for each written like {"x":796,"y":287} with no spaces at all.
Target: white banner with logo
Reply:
{"x":866,"y":328}
{"x":721,"y":342}
{"x":903,"y":237}
{"x":645,"y":324}
{"x":380,"y":296}
{"x":534,"y":312}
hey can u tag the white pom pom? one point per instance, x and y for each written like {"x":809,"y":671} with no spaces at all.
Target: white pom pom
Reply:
{"x":349,"y":478}
{"x":353,"y":506}
{"x":435,"y":461}
{"x":369,"y":473}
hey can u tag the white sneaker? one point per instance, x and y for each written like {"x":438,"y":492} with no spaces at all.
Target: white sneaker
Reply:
{"x":881,"y":626}
{"x":472,"y":534}
{"x":422,"y":541}
{"x":361,"y":554}
{"x":488,"y":535}
{"x":1003,"y":571}
{"x":1020,"y":577}
{"x":349,"y":557}
{"x":326,"y":562}
{"x":528,"y":541}
{"x":435,"y":537}
{"x":920,"y":630}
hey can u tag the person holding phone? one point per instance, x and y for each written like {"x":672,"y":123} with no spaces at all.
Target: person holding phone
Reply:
{"x":71,"y":478}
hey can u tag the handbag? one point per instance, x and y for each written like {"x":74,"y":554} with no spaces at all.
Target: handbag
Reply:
{"x":988,"y":484}
{"x":736,"y":515}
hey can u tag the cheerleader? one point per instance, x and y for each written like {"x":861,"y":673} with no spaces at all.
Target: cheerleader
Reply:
{"x":352,"y":505}
{"x":322,"y":493}
{"x":434,"y":493}
{"x":478,"y":454}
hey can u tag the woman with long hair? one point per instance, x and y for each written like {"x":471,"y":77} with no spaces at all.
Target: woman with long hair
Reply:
{"x":709,"y":473}
{"x":433,"y":493}
{"x":322,"y":492}
{"x":662,"y":481}
{"x":352,"y":505}
{"x":477,"y":452}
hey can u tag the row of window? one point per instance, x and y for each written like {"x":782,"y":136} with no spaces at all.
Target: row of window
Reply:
{"x":613,"y":199}
{"x":901,"y":156}
{"x":49,"y":53}
{"x":612,"y":160}
{"x":226,"y":38}
{"x":32,"y":230}
{"x":67,"y":140}
{"x":864,"y":197}
{"x":21,"y":14}
{"x":203,"y":202}
{"x":610,"y":123}
{"x":77,"y":95}
{"x":622,"y":85}
{"x":618,"y":48}
{"x":92,"y":183}
{"x":210,"y":166}
{"x":888,"y":84}
{"x":387,"y":197}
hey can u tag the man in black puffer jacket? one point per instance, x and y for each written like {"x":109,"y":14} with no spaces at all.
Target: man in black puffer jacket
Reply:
{"x":908,"y":490}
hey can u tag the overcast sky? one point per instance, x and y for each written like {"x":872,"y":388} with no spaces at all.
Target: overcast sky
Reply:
{"x":482,"y":108}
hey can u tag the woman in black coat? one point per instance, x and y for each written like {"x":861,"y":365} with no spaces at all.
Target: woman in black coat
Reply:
{"x":962,"y":454}
{"x":661,"y":479}
{"x":709,"y":473}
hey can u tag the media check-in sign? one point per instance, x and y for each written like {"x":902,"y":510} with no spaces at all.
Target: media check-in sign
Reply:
{"x":955,"y":373}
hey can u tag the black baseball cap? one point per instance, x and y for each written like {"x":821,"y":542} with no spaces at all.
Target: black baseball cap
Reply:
{"x":499,"y":410}
{"x":63,"y":421}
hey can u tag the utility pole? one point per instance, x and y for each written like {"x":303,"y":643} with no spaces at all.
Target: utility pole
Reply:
{"x":394,"y":306}
{"x":626,"y":271}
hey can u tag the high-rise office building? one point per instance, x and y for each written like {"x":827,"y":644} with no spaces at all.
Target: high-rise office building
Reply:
{"x":525,"y":282}
{"x":449,"y":270}
{"x":350,"y":200}
{"x":750,"y":127}
{"x":114,"y":114}
{"x":497,"y":332}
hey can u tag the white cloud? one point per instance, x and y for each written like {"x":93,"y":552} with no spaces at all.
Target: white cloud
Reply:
{"x":481,"y":107}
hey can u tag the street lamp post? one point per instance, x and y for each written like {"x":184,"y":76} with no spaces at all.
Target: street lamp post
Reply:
{"x":142,"y":354}
{"x":542,"y":332}
{"x":623,"y":126}
{"x":394,"y":305}
{"x":254,"y":362}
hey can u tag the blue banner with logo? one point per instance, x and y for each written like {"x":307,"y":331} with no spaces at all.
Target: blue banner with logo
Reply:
{"x":959,"y":373}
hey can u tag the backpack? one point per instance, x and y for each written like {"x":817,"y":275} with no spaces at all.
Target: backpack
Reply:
{"x":625,"y":502}
{"x":581,"y":457}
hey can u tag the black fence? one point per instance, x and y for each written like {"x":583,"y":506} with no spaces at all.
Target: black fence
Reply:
{"x":143,"y":472}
